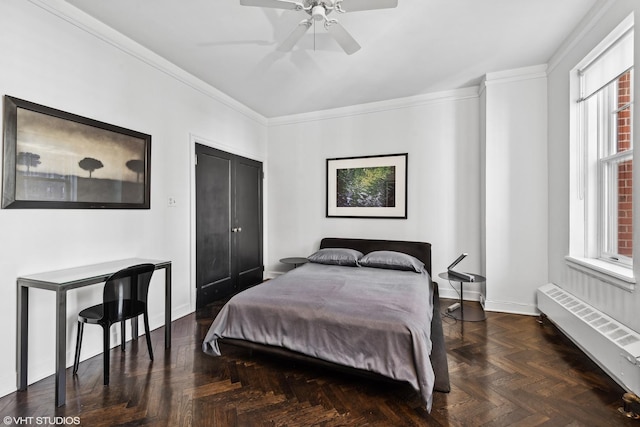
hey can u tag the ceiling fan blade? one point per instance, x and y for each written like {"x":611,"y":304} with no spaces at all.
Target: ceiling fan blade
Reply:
{"x":277,"y":4}
{"x":344,"y":39}
{"x":357,"y":5}
{"x":295,"y":36}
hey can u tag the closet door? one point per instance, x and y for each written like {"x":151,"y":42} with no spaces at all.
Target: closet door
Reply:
{"x":248,"y":215}
{"x":214,"y":275}
{"x":228,"y":224}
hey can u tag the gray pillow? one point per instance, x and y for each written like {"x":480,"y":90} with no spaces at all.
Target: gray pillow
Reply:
{"x":336,"y":256}
{"x":391,"y":260}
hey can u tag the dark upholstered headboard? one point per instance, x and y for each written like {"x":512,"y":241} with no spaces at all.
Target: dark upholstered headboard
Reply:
{"x":420,"y":250}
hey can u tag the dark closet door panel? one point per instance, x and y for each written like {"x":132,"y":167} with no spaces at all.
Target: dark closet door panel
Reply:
{"x":214,"y":273}
{"x":248,"y":214}
{"x":250,"y":278}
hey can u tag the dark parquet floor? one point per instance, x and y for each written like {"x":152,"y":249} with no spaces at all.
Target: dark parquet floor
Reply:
{"x":505,"y":371}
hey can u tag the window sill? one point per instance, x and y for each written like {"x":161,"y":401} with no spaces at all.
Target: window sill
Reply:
{"x":613,"y":274}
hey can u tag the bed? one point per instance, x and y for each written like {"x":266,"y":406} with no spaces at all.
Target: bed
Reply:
{"x":381,"y":319}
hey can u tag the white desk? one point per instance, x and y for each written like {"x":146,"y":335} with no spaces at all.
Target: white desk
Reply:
{"x":61,"y":281}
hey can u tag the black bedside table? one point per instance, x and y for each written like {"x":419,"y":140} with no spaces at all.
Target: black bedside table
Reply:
{"x":471,"y":312}
{"x":295,"y":261}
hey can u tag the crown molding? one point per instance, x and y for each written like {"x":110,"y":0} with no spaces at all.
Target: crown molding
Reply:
{"x":87,"y":23}
{"x":584,"y":27}
{"x":376,"y":107}
{"x":514,"y":75}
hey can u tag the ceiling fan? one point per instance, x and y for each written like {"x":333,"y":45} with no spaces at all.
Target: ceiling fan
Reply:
{"x":318,"y":11}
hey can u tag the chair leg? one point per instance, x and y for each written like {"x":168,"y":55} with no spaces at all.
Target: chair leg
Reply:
{"x":123,"y":335}
{"x":148,"y":334}
{"x":105,"y":352}
{"x":76,"y":360}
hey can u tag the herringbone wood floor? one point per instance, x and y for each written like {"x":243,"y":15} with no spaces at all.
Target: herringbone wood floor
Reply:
{"x":505,"y":371}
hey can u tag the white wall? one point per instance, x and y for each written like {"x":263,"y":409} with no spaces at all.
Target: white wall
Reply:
{"x":440,"y":132}
{"x":515,"y":188}
{"x":616,"y":302}
{"x":55,"y":56}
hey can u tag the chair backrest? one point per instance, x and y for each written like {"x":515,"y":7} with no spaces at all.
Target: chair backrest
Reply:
{"x":125,"y":293}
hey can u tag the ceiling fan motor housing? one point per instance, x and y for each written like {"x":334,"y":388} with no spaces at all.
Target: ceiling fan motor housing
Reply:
{"x":318,"y":13}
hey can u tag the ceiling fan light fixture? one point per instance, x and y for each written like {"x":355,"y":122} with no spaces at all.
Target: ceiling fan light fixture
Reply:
{"x":318,"y":11}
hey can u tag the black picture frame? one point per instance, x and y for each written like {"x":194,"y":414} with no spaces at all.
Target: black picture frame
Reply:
{"x":53,"y":159}
{"x":367,"y":186}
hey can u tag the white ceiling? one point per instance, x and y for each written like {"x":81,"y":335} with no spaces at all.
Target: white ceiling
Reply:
{"x":422,"y":46}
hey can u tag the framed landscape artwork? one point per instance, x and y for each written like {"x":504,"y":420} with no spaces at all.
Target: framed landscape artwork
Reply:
{"x":57,"y":160}
{"x":367,"y":187}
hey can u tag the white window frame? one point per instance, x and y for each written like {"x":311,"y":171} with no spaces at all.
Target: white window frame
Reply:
{"x":606,"y":159}
{"x":588,"y":249}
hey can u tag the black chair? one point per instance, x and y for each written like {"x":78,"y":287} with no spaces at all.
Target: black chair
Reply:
{"x":125,"y":297}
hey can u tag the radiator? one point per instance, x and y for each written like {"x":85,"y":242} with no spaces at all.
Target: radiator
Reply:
{"x":610,"y":344}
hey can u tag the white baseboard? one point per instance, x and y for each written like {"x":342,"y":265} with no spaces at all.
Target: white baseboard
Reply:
{"x":272,"y":274}
{"x":511,"y":307}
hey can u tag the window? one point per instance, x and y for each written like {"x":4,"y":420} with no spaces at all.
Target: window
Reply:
{"x":606,"y":118}
{"x":604,"y":151}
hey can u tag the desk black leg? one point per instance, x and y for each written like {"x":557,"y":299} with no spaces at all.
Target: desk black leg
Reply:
{"x":22,"y":345}
{"x":461,"y":302}
{"x":167,"y":307}
{"x":61,"y":347}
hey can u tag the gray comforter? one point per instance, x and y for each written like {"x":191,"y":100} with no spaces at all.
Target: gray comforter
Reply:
{"x":368,"y":318}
